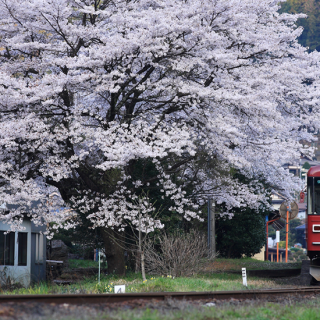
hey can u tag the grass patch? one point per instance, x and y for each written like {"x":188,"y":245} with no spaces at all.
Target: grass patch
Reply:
{"x":223,"y":265}
{"x":134,"y":283}
{"x":218,"y":265}
{"x":215,"y":278}
{"x":74,"y":264}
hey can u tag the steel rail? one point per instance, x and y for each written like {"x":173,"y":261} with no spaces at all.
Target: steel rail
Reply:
{"x":158,"y":296}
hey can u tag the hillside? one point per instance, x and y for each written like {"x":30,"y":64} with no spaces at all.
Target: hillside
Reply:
{"x":311,"y":25}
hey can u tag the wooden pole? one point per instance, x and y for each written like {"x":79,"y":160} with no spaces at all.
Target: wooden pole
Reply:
{"x":277,"y":251}
{"x":287,"y":233}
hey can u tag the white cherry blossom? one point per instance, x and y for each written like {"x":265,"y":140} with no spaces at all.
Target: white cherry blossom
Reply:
{"x":88,"y":88}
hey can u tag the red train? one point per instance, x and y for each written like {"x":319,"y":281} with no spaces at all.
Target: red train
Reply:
{"x":313,"y":221}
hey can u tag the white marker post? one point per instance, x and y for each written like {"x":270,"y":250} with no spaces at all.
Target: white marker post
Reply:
{"x":120,"y":289}
{"x":244,"y":277}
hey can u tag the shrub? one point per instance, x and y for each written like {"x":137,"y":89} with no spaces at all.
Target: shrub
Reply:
{"x":178,"y":254}
{"x":297,"y":255}
{"x":282,"y":244}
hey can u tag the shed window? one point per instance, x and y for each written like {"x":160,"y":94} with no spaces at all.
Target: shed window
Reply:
{"x":22,"y":248}
{"x":7,"y":248}
{"x":39,"y":248}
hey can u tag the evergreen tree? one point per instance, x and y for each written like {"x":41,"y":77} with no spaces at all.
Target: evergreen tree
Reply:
{"x":244,"y":234}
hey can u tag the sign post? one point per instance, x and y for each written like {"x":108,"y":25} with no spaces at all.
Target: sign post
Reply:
{"x":211,"y":228}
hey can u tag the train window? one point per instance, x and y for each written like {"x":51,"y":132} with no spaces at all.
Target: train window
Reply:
{"x":313,"y":195}
{"x":316,"y":201}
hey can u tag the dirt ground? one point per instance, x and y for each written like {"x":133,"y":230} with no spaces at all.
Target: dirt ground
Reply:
{"x":221,"y":266}
{"x":40,"y":311}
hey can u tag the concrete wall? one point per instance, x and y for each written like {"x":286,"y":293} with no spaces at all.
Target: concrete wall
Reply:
{"x":260,"y":255}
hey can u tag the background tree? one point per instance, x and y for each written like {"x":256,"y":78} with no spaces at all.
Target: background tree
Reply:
{"x":306,"y":165}
{"x":310,"y":36}
{"x":244,"y":234}
{"x":105,"y":100}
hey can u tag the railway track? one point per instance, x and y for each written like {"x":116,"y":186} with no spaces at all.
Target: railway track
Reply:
{"x":159,"y":296}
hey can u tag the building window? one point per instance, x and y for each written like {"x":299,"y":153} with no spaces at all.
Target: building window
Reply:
{"x":7,"y":248}
{"x":39,"y":248}
{"x":22,"y":248}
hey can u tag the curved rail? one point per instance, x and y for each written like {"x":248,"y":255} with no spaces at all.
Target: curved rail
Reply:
{"x":157,"y":296}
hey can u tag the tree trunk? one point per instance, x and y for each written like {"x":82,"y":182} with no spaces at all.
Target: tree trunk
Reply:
{"x":143,"y":271}
{"x":229,"y":251}
{"x":114,"y":248}
{"x":138,"y":262}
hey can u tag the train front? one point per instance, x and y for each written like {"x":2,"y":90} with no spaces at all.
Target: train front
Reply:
{"x":313,"y":221}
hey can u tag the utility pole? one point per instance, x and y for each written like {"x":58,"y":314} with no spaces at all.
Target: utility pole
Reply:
{"x":211,"y":228}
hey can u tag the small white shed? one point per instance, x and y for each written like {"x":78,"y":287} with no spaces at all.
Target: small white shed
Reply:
{"x":23,"y":253}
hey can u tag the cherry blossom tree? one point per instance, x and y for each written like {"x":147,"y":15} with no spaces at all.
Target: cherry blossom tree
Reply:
{"x":103,"y":99}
